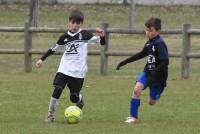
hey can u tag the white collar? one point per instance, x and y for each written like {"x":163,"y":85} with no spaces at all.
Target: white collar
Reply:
{"x":72,"y":34}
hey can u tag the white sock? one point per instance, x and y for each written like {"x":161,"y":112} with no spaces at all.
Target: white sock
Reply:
{"x":52,"y":105}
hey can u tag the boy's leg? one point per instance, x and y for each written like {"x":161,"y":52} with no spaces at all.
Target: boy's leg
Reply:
{"x":51,"y":111}
{"x":59,"y":84}
{"x":75,"y":86}
{"x":155,"y":94}
{"x":135,"y":99}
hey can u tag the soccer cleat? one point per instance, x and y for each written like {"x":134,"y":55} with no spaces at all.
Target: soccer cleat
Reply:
{"x":80,"y":104}
{"x":50,"y":118}
{"x":131,"y":120}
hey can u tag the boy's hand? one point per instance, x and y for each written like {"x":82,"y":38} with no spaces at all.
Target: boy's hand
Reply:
{"x":39,"y":63}
{"x":100,"y":32}
{"x":120,"y":65}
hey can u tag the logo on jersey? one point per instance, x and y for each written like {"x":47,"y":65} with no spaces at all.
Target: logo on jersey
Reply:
{"x":153,"y":49}
{"x":65,"y":40}
{"x":151,"y":62}
{"x":151,"y":59}
{"x":71,"y":48}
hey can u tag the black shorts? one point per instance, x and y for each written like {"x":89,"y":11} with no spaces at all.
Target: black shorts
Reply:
{"x":74,"y":84}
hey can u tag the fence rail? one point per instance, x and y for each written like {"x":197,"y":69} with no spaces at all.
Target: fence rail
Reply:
{"x":92,"y":52}
{"x":109,"y":30}
{"x":11,"y":29}
{"x":186,"y":33}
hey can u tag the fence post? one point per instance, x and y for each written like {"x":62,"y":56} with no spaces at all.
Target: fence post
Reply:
{"x":27,"y":48}
{"x":33,"y":13}
{"x":186,"y":49}
{"x":132,"y":15}
{"x":125,"y":2}
{"x":104,"y":48}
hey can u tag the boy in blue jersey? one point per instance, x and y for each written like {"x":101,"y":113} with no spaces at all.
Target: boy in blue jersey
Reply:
{"x":155,"y":72}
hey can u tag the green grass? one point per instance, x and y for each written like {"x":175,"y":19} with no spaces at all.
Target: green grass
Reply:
{"x":25,"y":96}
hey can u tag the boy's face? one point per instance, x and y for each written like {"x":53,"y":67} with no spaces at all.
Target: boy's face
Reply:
{"x":151,"y":32}
{"x":74,"y":26}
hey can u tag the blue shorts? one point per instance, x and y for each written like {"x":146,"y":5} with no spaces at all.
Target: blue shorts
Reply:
{"x":155,"y":92}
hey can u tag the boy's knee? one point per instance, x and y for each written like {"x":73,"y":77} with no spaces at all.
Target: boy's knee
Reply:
{"x":137,"y":90}
{"x":57,"y":91}
{"x":136,"y":93}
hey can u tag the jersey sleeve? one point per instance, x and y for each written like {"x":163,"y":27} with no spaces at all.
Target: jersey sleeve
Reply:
{"x":46,"y":54}
{"x":94,"y":39}
{"x":61,"y":40}
{"x":97,"y":39}
{"x":139,"y":55}
{"x":91,"y":38}
{"x":54,"y":48}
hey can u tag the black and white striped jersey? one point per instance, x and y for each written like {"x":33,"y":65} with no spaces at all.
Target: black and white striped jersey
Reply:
{"x":74,"y":59}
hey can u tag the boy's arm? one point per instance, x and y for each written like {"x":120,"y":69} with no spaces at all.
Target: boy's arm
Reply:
{"x":98,"y":38}
{"x":46,"y":54}
{"x":52,"y":50}
{"x":101,"y":34}
{"x":133,"y":58}
{"x":102,"y":40}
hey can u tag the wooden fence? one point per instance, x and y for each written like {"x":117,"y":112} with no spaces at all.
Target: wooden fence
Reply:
{"x":104,"y":53}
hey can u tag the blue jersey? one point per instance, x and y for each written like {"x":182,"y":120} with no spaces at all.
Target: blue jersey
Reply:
{"x":156,"y":51}
{"x":157,"y":61}
{"x":156,"y":67}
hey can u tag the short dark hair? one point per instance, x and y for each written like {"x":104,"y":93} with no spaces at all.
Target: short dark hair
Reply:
{"x":153,"y":22}
{"x":76,"y":16}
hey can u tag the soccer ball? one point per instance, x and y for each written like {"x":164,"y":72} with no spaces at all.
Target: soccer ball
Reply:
{"x":73,"y":114}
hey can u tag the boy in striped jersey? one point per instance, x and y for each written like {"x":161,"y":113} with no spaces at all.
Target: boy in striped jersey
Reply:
{"x":73,"y":64}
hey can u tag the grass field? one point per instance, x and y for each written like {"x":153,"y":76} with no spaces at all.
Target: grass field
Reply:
{"x":25,"y":96}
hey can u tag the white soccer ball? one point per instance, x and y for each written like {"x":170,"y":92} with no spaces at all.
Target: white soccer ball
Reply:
{"x":73,"y":114}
